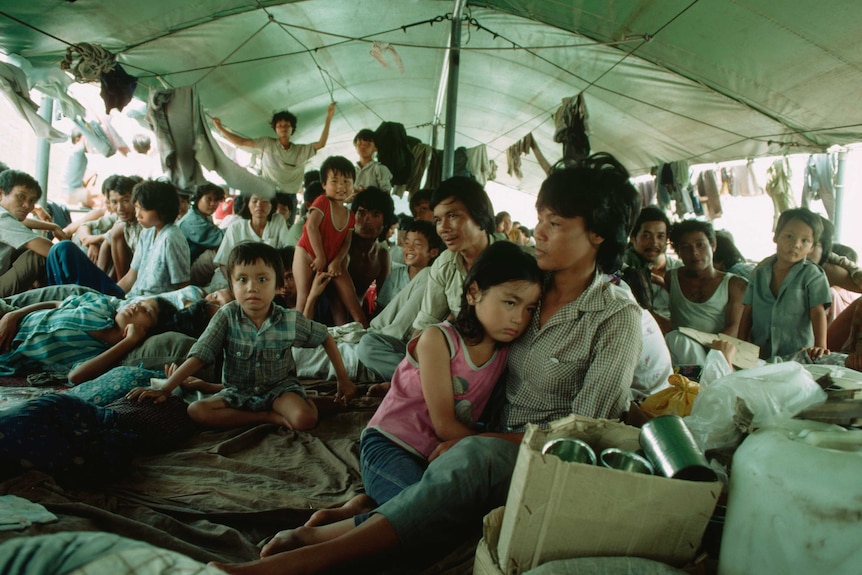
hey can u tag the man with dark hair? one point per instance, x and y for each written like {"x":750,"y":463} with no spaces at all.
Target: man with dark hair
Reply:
{"x":369,"y":259}
{"x":701,"y":297}
{"x":282,"y":161}
{"x":22,"y":250}
{"x":646,"y":253}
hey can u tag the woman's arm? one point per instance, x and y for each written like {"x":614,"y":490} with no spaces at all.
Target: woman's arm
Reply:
{"x":432,"y":353}
{"x":110,"y":358}
{"x":11,"y":320}
{"x":324,"y":135}
{"x":231,"y":137}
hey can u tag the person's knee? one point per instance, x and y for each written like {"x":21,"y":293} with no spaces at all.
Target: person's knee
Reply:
{"x":303,"y":420}
{"x":198,"y":412}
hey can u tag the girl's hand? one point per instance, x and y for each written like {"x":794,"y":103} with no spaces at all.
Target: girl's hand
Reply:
{"x":442,"y":448}
{"x":815,"y":352}
{"x":318,"y":264}
{"x":134,"y":333}
{"x":141,"y":393}
{"x":345,"y":391}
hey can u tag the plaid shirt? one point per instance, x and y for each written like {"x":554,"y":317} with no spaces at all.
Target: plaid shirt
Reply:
{"x":58,"y":339}
{"x":257,"y":360}
{"x":581,"y":361}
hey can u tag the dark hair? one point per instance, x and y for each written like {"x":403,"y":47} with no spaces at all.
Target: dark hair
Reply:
{"x":845,"y":251}
{"x":499,"y":217}
{"x":244,"y":211}
{"x":207,"y":188}
{"x":159,"y":196}
{"x":336,"y":165}
{"x":283,"y":115}
{"x":807,"y":217}
{"x":191,"y":320}
{"x":374,"y":199}
{"x":638,"y":281}
{"x":283,"y":198}
{"x":9,"y":179}
{"x":165,"y":318}
{"x":123,"y":185}
{"x":826,"y":240}
{"x":471,"y":193}
{"x":726,"y":254}
{"x":684,"y":227}
{"x":650,"y":214}
{"x":309,"y":177}
{"x":403,"y":221}
{"x":428,"y":230}
{"x":141,"y":143}
{"x":250,"y":252}
{"x":416,"y":198}
{"x":499,"y":263}
{"x":312,"y":192}
{"x":597,"y":189}
{"x":365,"y":135}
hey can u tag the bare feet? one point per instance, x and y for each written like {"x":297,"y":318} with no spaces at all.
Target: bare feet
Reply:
{"x":359,"y":504}
{"x":379,"y":389}
{"x":291,"y":539}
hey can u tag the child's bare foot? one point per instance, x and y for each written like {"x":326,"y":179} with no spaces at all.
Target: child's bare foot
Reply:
{"x":286,"y":540}
{"x":379,"y":389}
{"x":359,"y":504}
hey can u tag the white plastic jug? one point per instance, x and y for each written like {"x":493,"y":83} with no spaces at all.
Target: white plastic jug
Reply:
{"x":795,"y":503}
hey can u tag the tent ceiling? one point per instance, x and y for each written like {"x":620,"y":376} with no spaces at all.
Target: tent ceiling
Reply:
{"x":702,"y":80}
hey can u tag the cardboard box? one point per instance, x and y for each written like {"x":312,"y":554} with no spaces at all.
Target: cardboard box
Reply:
{"x":558,"y":510}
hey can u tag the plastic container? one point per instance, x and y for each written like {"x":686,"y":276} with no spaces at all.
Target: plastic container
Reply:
{"x":795,"y":504}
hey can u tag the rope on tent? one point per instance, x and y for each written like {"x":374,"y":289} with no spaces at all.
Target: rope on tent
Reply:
{"x":297,"y":40}
{"x":237,"y":49}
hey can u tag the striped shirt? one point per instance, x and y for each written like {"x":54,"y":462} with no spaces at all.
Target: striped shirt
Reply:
{"x":256,"y":360}
{"x":581,"y":361}
{"x":58,"y":339}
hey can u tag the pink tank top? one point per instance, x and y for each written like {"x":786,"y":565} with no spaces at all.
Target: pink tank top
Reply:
{"x":403,"y":416}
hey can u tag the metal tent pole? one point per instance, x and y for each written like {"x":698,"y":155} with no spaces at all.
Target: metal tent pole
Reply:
{"x":839,"y":192}
{"x":454,"y":60}
{"x":43,"y":150}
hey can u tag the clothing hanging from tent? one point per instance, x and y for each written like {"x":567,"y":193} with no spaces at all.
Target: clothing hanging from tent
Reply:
{"x":707,"y":187}
{"x":778,"y":188}
{"x":13,"y":85}
{"x":819,"y":183}
{"x":572,"y":128}
{"x":185,"y":144}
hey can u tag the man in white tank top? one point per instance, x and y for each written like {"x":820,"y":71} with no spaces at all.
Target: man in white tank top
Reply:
{"x":701,"y":297}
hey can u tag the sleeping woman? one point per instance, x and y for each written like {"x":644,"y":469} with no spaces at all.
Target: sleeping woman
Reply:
{"x":84,"y":335}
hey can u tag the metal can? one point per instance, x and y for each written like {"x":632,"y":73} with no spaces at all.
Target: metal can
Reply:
{"x":673,"y":451}
{"x":571,"y":450}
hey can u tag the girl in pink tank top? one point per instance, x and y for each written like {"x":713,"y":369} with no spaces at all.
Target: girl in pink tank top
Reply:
{"x":439,"y":390}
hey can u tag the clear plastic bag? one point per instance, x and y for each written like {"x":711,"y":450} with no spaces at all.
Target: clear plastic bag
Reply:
{"x":770,"y":393}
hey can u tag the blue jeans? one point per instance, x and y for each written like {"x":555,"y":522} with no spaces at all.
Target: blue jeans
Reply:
{"x":455,"y":492}
{"x":68,"y":264}
{"x":387,"y":468}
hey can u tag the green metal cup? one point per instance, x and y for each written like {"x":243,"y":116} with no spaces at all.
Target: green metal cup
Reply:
{"x":673,"y":451}
{"x":571,"y":450}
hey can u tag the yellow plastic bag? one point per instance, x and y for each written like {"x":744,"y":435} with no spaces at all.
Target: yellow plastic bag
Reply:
{"x":674,"y":400}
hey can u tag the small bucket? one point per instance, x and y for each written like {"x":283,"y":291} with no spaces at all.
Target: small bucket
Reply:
{"x":614,"y":458}
{"x":673,"y":451}
{"x":571,"y":450}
